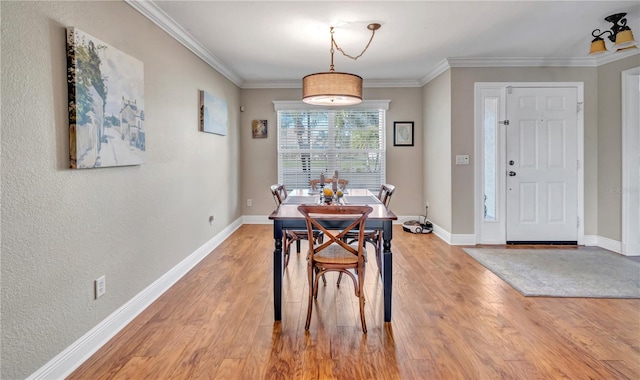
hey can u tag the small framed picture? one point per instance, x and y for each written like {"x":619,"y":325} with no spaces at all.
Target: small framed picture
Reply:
{"x":403,"y":133}
{"x":259,"y":129}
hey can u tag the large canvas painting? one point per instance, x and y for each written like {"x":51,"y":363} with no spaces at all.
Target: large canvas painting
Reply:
{"x":213,"y":114}
{"x":106,"y":104}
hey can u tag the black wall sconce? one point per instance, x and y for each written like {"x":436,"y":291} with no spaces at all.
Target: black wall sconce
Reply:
{"x":620,"y":34}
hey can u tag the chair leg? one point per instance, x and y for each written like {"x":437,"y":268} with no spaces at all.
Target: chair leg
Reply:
{"x":297,"y":246}
{"x":286,"y":251}
{"x":379,"y":254}
{"x":339,"y":279}
{"x":310,"y":276}
{"x":315,"y":289}
{"x":361,"y":299}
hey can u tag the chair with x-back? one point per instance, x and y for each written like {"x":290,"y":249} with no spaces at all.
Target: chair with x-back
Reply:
{"x":279,"y":192}
{"x":335,"y":254}
{"x":374,"y":237}
{"x":315,"y":183}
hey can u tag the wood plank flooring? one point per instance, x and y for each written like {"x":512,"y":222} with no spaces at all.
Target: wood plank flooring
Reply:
{"x":451,"y":319}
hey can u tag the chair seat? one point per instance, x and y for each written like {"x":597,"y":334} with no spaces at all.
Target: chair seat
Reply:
{"x":302,"y":234}
{"x":336,"y":255}
{"x":367,"y":233}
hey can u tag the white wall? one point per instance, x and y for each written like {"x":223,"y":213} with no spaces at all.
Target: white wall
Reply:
{"x":63,"y":228}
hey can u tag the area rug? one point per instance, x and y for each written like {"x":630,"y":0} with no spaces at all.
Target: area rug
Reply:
{"x":589,"y":273}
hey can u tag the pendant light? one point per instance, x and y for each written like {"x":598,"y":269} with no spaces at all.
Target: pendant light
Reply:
{"x":332,"y":88}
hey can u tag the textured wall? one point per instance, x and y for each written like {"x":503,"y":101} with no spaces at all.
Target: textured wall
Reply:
{"x":259,"y":166}
{"x":62,"y":228}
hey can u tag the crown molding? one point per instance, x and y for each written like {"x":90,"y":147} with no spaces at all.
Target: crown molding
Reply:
{"x":148,"y":9}
{"x":525,"y":62}
{"x":439,"y":69}
{"x":367,"y":83}
{"x":272,"y":84}
{"x":166,"y":23}
{"x":612,"y":57}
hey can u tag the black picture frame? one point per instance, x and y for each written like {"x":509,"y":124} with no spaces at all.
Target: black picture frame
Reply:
{"x":403,"y":133}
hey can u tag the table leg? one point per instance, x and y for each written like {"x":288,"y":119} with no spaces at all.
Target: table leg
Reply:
{"x":387,"y":268}
{"x":277,"y":271}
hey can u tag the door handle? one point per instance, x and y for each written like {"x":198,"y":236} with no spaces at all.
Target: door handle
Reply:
{"x":512,"y":163}
{"x":512,"y":174}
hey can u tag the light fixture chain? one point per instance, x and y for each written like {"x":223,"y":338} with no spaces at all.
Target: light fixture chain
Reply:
{"x":373,"y":33}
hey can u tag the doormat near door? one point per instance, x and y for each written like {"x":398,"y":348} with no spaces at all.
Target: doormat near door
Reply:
{"x":581,"y":273}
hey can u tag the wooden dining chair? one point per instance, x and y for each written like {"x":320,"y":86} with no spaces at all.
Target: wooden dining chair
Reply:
{"x":279,"y":192}
{"x":335,"y":254}
{"x":341,"y":182}
{"x":374,"y":237}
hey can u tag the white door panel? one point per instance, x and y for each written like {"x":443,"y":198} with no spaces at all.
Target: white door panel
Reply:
{"x":542,"y":172}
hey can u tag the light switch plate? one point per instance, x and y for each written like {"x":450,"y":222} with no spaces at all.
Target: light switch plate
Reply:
{"x":462,"y":159}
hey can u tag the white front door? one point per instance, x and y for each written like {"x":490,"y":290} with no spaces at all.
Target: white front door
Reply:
{"x":542,"y":165}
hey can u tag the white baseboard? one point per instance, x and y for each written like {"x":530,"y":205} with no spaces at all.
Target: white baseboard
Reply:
{"x":590,"y":240}
{"x":603,"y":242}
{"x":442,"y":233}
{"x":454,"y":239}
{"x":463,"y":239}
{"x":73,"y":356}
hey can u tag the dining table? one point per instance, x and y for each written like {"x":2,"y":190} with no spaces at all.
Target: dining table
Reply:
{"x":287,"y":217}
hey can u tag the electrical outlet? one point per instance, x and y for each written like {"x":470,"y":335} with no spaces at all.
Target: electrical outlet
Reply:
{"x":100,"y":286}
{"x":249,"y":202}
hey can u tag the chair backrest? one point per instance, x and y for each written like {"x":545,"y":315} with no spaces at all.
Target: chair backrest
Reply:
{"x":314,"y":183}
{"x":279,"y":192}
{"x":356,"y":215}
{"x":386,"y":191}
{"x":341,"y":181}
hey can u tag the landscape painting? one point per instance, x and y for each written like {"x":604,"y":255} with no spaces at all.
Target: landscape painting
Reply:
{"x":213,"y":114}
{"x":106,"y":104}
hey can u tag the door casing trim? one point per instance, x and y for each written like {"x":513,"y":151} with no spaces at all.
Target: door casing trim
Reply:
{"x":626,"y":188}
{"x":478,"y":192}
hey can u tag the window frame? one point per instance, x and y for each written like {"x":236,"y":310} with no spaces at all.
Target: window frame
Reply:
{"x":380,"y":106}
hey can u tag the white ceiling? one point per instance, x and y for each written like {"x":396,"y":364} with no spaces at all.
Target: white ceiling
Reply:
{"x":275,"y":43}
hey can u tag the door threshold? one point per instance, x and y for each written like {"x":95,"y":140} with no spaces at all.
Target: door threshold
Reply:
{"x":542,"y":242}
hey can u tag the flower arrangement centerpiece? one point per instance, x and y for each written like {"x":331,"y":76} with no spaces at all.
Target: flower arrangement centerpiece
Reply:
{"x":328,"y":195}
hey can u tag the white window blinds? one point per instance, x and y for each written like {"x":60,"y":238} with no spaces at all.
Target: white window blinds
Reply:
{"x":312,"y":141}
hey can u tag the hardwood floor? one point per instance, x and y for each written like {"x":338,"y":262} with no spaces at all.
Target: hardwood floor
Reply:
{"x":451,"y":319}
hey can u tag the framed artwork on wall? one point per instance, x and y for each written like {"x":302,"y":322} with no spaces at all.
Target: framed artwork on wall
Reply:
{"x":106,"y":104}
{"x":259,"y":129}
{"x":403,"y":133}
{"x":213,"y":114}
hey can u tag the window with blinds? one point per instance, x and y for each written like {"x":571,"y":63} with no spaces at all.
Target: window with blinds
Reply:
{"x":351,"y":141}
